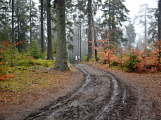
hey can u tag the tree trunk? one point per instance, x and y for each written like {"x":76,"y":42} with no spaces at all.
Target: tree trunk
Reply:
{"x":19,"y":46}
{"x":109,"y":22}
{"x":42,"y":29}
{"x":159,"y":28}
{"x":145,"y":32}
{"x":112,"y":36}
{"x":30,"y":25}
{"x":12,"y":21}
{"x":61,"y":53}
{"x":49,"y":50}
{"x":89,"y":30}
{"x":95,"y":39}
{"x":18,"y":30}
{"x":12,"y":33}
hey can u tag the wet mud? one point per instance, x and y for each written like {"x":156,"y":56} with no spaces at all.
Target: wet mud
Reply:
{"x":100,"y":97}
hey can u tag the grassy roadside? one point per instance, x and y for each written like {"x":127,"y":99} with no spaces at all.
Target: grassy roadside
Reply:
{"x":43,"y":87}
{"x":30,"y":79}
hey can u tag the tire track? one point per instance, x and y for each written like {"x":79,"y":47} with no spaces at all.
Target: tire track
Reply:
{"x":101,"y":97}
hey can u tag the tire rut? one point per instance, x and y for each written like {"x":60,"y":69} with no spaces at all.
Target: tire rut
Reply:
{"x":101,"y":97}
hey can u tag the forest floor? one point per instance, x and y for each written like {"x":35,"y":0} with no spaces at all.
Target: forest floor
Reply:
{"x":38,"y":95}
{"x":147,"y":83}
{"x":139,"y":97}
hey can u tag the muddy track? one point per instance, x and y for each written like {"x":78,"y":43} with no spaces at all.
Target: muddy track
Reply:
{"x":100,"y":97}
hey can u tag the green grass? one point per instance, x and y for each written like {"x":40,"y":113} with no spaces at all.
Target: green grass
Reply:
{"x":27,"y":77}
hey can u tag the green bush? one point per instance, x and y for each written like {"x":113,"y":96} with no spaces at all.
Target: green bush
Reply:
{"x":114,"y":63}
{"x":84,"y":58}
{"x":7,"y":54}
{"x":126,"y":69}
{"x":35,"y":51}
{"x":103,"y":62}
{"x":130,"y":65}
{"x":92,"y":59}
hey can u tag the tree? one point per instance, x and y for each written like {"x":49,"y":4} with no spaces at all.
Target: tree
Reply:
{"x":153,"y":28}
{"x":115,"y":13}
{"x":94,"y":31}
{"x":159,"y":27}
{"x":94,"y":28}
{"x":32,"y":16}
{"x":49,"y":50}
{"x":42,"y":30}
{"x":30,"y":25}
{"x":131,"y":35}
{"x":144,"y":16}
{"x":4,"y":20}
{"x":12,"y":31}
{"x":21,"y":23}
{"x":70,"y":9}
{"x":12,"y":21}
{"x":89,"y":9}
{"x":61,"y":54}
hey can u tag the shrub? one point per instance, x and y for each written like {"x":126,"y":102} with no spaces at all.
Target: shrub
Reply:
{"x":92,"y":59}
{"x":84,"y":59}
{"x":103,"y":61}
{"x":126,"y":69}
{"x":114,"y":63}
{"x":3,"y":65}
{"x":130,"y":64}
{"x":35,"y":51}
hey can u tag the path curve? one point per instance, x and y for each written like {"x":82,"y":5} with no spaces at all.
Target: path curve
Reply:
{"x":101,"y":97}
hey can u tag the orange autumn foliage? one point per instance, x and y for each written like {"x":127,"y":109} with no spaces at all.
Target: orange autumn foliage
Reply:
{"x":5,"y":43}
{"x":145,"y":60}
{"x":95,"y":48}
{"x":3,"y":75}
{"x":91,"y":41}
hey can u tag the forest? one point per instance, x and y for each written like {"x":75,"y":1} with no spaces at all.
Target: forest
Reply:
{"x":39,"y":40}
{"x":59,"y":30}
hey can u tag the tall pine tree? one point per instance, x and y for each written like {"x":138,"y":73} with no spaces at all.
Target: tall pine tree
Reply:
{"x":115,"y":12}
{"x":159,"y":27}
{"x":61,"y":54}
{"x":21,"y":23}
{"x":49,"y":50}
{"x":131,"y":35}
{"x":89,"y":13}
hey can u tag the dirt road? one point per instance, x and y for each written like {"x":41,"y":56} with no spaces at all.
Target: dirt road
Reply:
{"x":101,"y":97}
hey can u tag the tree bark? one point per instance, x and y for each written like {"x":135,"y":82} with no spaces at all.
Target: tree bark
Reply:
{"x":159,"y":29}
{"x":89,"y":30}
{"x":18,"y":30}
{"x":61,"y":53}
{"x":12,"y":33}
{"x":49,"y":50}
{"x":30,"y":24}
{"x":145,"y":32}
{"x":42,"y":29}
{"x":94,"y":30}
{"x":12,"y":21}
{"x":109,"y":22}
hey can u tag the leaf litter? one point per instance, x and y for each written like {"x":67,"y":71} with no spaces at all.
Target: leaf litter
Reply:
{"x":29,"y":91}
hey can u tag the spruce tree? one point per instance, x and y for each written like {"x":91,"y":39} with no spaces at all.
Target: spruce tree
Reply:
{"x":115,"y":13}
{"x":61,"y":54}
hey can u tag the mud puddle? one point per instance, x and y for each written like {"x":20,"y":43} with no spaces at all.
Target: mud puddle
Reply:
{"x":101,"y":97}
